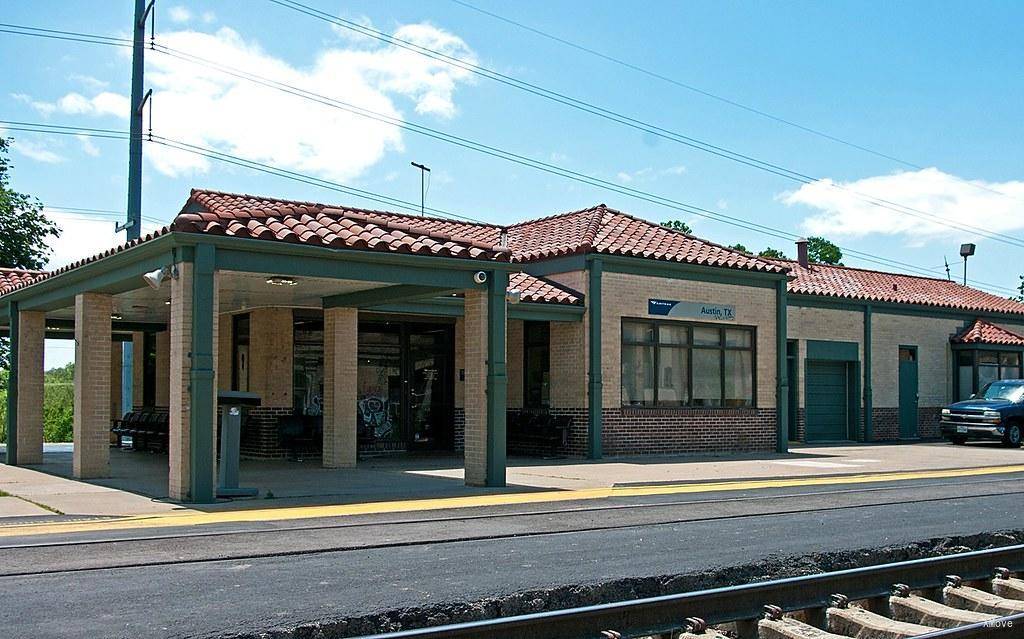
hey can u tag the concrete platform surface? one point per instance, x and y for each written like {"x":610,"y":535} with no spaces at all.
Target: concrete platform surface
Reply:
{"x":137,"y":485}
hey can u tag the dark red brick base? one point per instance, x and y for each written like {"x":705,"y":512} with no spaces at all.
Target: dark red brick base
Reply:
{"x":886,"y":423}
{"x":665,"y":431}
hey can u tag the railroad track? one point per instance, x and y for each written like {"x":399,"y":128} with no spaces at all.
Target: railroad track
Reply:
{"x":960,"y":596}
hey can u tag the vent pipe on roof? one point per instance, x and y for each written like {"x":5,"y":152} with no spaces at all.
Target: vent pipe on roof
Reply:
{"x":503,"y":238}
{"x":801,"y":252}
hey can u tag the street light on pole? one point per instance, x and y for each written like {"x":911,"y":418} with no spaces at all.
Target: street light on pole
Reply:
{"x":966,"y":250}
{"x":423,"y":192}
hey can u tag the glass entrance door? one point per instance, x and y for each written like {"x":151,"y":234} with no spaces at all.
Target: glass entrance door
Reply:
{"x":405,"y":388}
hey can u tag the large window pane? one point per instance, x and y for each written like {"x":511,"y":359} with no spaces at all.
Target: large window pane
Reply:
{"x":738,"y":338}
{"x":672,"y":377}
{"x":637,"y":375}
{"x":987,"y":374}
{"x":707,"y":376}
{"x":672,"y":334}
{"x":965,"y":378}
{"x":706,"y":336}
{"x":638,"y":331}
{"x":739,"y":378}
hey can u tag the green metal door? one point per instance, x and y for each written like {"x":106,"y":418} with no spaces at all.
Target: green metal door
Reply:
{"x":908,"y":392}
{"x":826,"y":401}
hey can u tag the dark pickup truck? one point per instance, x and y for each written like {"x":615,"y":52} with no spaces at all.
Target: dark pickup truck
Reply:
{"x":996,"y":413}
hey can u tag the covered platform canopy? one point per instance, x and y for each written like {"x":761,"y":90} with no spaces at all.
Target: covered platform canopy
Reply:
{"x":224,"y":253}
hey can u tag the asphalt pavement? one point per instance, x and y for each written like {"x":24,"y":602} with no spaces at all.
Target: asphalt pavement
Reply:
{"x":252,"y":578}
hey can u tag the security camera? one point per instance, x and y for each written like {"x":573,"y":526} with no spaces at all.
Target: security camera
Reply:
{"x":480,"y":277}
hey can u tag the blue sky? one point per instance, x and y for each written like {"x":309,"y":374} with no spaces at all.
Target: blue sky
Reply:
{"x":936,"y":84}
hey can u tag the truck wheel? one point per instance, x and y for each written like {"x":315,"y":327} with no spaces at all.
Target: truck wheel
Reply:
{"x":1012,"y":437}
{"x":958,"y":441}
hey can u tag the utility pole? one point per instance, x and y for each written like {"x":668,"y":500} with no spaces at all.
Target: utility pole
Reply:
{"x":134,"y":222}
{"x":423,"y":193}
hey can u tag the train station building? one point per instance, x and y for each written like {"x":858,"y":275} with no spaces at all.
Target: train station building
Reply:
{"x":586,"y":334}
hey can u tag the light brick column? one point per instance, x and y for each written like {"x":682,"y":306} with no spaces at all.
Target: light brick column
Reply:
{"x":486,"y":380}
{"x":183,"y":369}
{"x":341,"y":334}
{"x":91,"y":456}
{"x":31,"y":338}
{"x":475,"y":349}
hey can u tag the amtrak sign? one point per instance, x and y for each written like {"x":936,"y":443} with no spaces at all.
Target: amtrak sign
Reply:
{"x":692,"y":310}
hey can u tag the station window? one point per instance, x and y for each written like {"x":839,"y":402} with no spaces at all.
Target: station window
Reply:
{"x":536,"y":364}
{"x":975,"y":368}
{"x":679,"y":364}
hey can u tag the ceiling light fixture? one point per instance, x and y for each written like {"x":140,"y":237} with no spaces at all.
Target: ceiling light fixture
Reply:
{"x":277,"y":280}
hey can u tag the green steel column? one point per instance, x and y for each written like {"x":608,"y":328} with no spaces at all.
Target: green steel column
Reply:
{"x":782,"y":415}
{"x":12,"y":387}
{"x":869,"y":427}
{"x":203,"y":397}
{"x":594,"y":390}
{"x":497,"y":378}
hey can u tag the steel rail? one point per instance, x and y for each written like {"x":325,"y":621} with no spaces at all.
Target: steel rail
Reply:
{"x":666,"y":613}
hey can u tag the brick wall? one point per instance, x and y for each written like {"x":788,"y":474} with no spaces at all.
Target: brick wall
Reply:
{"x":259,"y":434}
{"x":91,"y":456}
{"x":636,"y":432}
{"x":626,"y":296}
{"x":825,"y":324}
{"x":935,"y":359}
{"x":514,"y":363}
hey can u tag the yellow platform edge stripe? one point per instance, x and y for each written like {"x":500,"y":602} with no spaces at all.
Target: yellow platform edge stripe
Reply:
{"x":288,"y":513}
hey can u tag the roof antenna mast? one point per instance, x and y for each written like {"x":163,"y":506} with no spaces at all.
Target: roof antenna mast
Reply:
{"x":423,"y":190}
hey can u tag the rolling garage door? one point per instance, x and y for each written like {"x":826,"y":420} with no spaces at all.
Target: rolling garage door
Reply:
{"x":826,"y":404}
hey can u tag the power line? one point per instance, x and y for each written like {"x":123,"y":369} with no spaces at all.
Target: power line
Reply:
{"x":804,"y":179}
{"x":506,"y":155}
{"x":611,"y":115}
{"x":391,"y":201}
{"x":58,"y":34}
{"x":634,"y":123}
{"x":709,"y":94}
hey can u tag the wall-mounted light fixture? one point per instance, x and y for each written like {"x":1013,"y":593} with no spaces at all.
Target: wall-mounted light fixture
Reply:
{"x":278,"y":280}
{"x":155,"y":278}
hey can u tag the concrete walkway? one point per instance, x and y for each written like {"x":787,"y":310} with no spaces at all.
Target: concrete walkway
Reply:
{"x":137,"y":485}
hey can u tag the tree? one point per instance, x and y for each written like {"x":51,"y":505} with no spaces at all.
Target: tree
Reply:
{"x":1020,"y":289}
{"x":774,"y":254}
{"x":678,"y":225}
{"x":24,"y":230}
{"x":822,"y":251}
{"x":739,"y":247}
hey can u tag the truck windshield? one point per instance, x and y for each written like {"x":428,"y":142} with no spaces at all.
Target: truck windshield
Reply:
{"x":1008,"y":391}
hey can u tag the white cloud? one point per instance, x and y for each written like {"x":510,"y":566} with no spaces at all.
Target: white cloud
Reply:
{"x":204,"y":107}
{"x":649,"y":174}
{"x":88,"y":146}
{"x":44,"y":108}
{"x":208,"y":17}
{"x":843,"y":212}
{"x":37,"y":151}
{"x":722,"y":204}
{"x":83,"y":236}
{"x":179,"y":14}
{"x":89,"y":82}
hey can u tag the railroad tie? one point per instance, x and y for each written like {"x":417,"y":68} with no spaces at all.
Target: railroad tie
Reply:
{"x":786,"y":628}
{"x":957,"y":595}
{"x":1006,"y":586}
{"x":697,"y":628}
{"x":852,"y":621}
{"x":914,"y":609}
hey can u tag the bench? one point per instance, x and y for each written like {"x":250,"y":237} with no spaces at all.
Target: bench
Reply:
{"x":300,"y":433}
{"x":530,"y":433}
{"x":148,"y":429}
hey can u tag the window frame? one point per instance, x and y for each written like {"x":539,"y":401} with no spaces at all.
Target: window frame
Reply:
{"x":689,"y":347}
{"x":533,"y":343}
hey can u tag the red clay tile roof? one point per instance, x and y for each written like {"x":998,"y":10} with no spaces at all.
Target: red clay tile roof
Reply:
{"x":538,"y":289}
{"x":876,"y":286}
{"x":248,"y":216}
{"x":12,"y":277}
{"x":601,"y":229}
{"x":597,"y":229}
{"x":982,"y":332}
{"x":42,"y":275}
